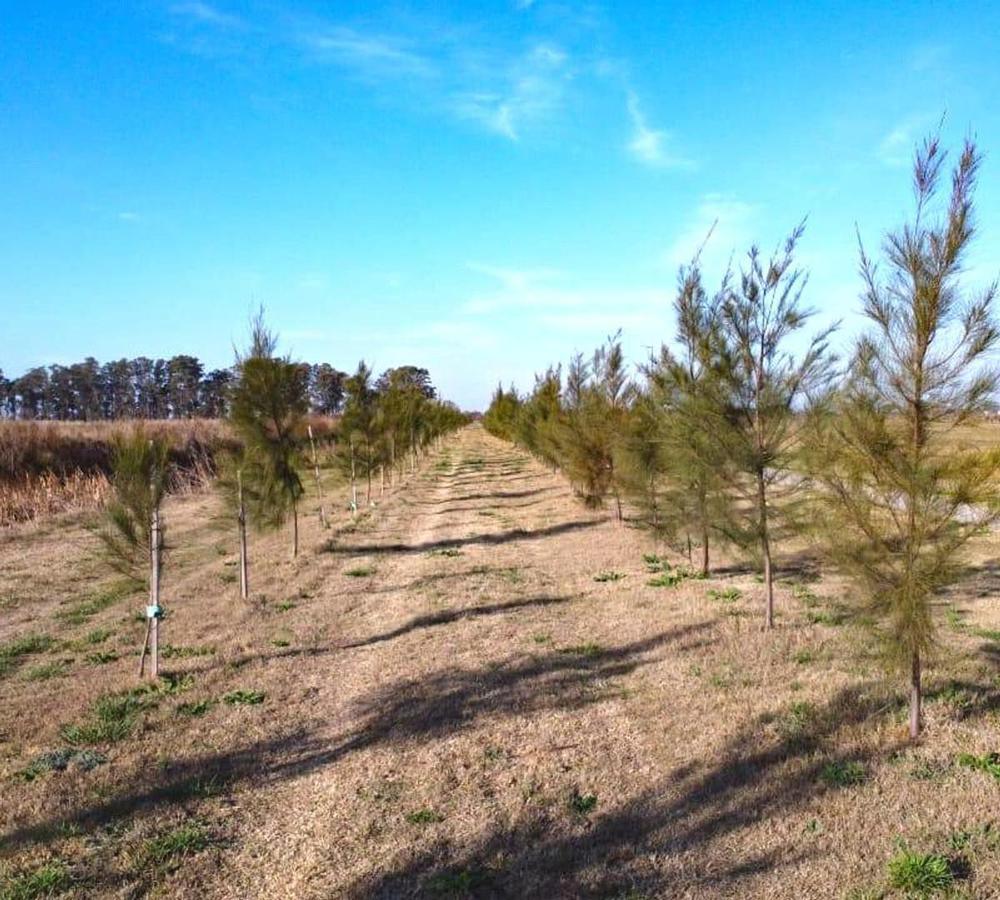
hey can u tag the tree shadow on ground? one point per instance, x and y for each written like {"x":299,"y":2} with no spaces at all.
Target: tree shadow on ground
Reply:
{"x":484,"y":495}
{"x":679,"y":837}
{"x":396,"y":714}
{"x":489,"y":538}
{"x":448,"y":616}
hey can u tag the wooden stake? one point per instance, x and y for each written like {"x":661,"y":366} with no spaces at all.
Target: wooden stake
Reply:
{"x":319,"y":484}
{"x":354,"y":484}
{"x":154,"y":595}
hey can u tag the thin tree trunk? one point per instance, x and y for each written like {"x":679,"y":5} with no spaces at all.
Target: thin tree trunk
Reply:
{"x":704,"y":550}
{"x":319,"y":483}
{"x":765,"y":549}
{"x":242,"y":520}
{"x":915,"y":696}
{"x":392,"y":460}
{"x":295,"y":529}
{"x":368,"y":471}
{"x":354,"y":483}
{"x":381,"y":475}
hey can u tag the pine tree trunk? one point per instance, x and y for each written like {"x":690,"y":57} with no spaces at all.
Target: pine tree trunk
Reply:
{"x":915,"y":696}
{"x":295,"y":529}
{"x":368,"y":470}
{"x":242,"y":520}
{"x":354,"y":483}
{"x":704,"y":550}
{"x":765,"y":549}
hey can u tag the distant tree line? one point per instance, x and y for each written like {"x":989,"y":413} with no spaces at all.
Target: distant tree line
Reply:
{"x":175,"y":388}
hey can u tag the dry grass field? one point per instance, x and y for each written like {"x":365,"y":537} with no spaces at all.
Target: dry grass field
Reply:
{"x":477,"y":689}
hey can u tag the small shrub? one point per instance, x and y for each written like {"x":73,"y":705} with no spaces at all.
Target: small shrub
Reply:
{"x":843,"y":774}
{"x":919,"y":873}
{"x":583,"y":804}
{"x":244,"y":698}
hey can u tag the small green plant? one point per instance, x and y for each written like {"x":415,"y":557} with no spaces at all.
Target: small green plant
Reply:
{"x":588,"y":649}
{"x":602,"y":577}
{"x":920,"y":873}
{"x":281,"y":642}
{"x":45,"y":671}
{"x":243,"y":698}
{"x":450,"y":552}
{"x":113,"y":718}
{"x":669,"y":577}
{"x":803,"y":656}
{"x":582,"y":804}
{"x":194,"y":708}
{"x":84,"y":610}
{"x":285,"y":606}
{"x":11,"y":652}
{"x":805,"y":596}
{"x":184,"y":841}
{"x":988,"y":762}
{"x":102,"y":657}
{"x":98,"y":636}
{"x":59,"y":761}
{"x":542,"y":638}
{"x":46,"y":881}
{"x":360,"y":572}
{"x":424,"y":817}
{"x":729,"y":595}
{"x":794,"y":724}
{"x":843,"y":774}
{"x":170,"y":651}
{"x":457,"y":884}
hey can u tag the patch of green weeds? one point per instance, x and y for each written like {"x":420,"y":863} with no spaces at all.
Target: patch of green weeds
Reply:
{"x":102,"y":657}
{"x":112,"y":718}
{"x":729,"y":595}
{"x":920,"y":873}
{"x":459,"y":883}
{"x":360,"y":572}
{"x":46,"y":881}
{"x":171,"y":651}
{"x":803,"y":656}
{"x":589,"y":650}
{"x":285,"y":606}
{"x":12,"y":652}
{"x":602,"y":577}
{"x":449,"y":552}
{"x":244,"y":698}
{"x":59,"y":761}
{"x":44,"y":671}
{"x":424,"y":817}
{"x":194,"y":708}
{"x":582,"y":804}
{"x":78,"y":613}
{"x":542,"y":638}
{"x":98,"y":636}
{"x":795,"y":723}
{"x":172,"y":846}
{"x":843,"y":774}
{"x":988,"y":763}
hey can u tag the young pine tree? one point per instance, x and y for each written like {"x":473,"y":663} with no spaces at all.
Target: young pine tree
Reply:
{"x":133,"y":533}
{"x":901,"y":495}
{"x":268,"y":406}
{"x":765,"y":386}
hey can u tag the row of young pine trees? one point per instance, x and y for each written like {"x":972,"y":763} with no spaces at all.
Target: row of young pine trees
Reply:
{"x":750,"y":432}
{"x":383,"y":431}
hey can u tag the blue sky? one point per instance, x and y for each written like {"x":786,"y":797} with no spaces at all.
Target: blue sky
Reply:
{"x":480,"y":188}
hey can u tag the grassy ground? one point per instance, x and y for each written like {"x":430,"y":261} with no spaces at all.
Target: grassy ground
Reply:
{"x":478,"y":689}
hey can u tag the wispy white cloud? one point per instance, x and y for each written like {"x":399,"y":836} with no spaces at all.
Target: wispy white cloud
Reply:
{"x":369,"y":55}
{"x":518,"y":288}
{"x":651,"y":146}
{"x":128,"y":216}
{"x":524,"y":91}
{"x":205,"y":14}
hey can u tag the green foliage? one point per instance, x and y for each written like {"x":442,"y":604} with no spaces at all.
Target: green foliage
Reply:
{"x":919,"y":873}
{"x":170,"y":847}
{"x":988,"y":762}
{"x":47,"y":880}
{"x":360,"y":572}
{"x":194,"y":709}
{"x":244,"y":698}
{"x":424,"y":817}
{"x":582,"y":804}
{"x":12,"y":652}
{"x":843,"y":774}
{"x":602,"y":577}
{"x":267,"y":407}
{"x":139,"y":477}
{"x":112,"y":718}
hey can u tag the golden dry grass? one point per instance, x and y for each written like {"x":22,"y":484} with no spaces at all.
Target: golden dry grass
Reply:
{"x":453,"y":706}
